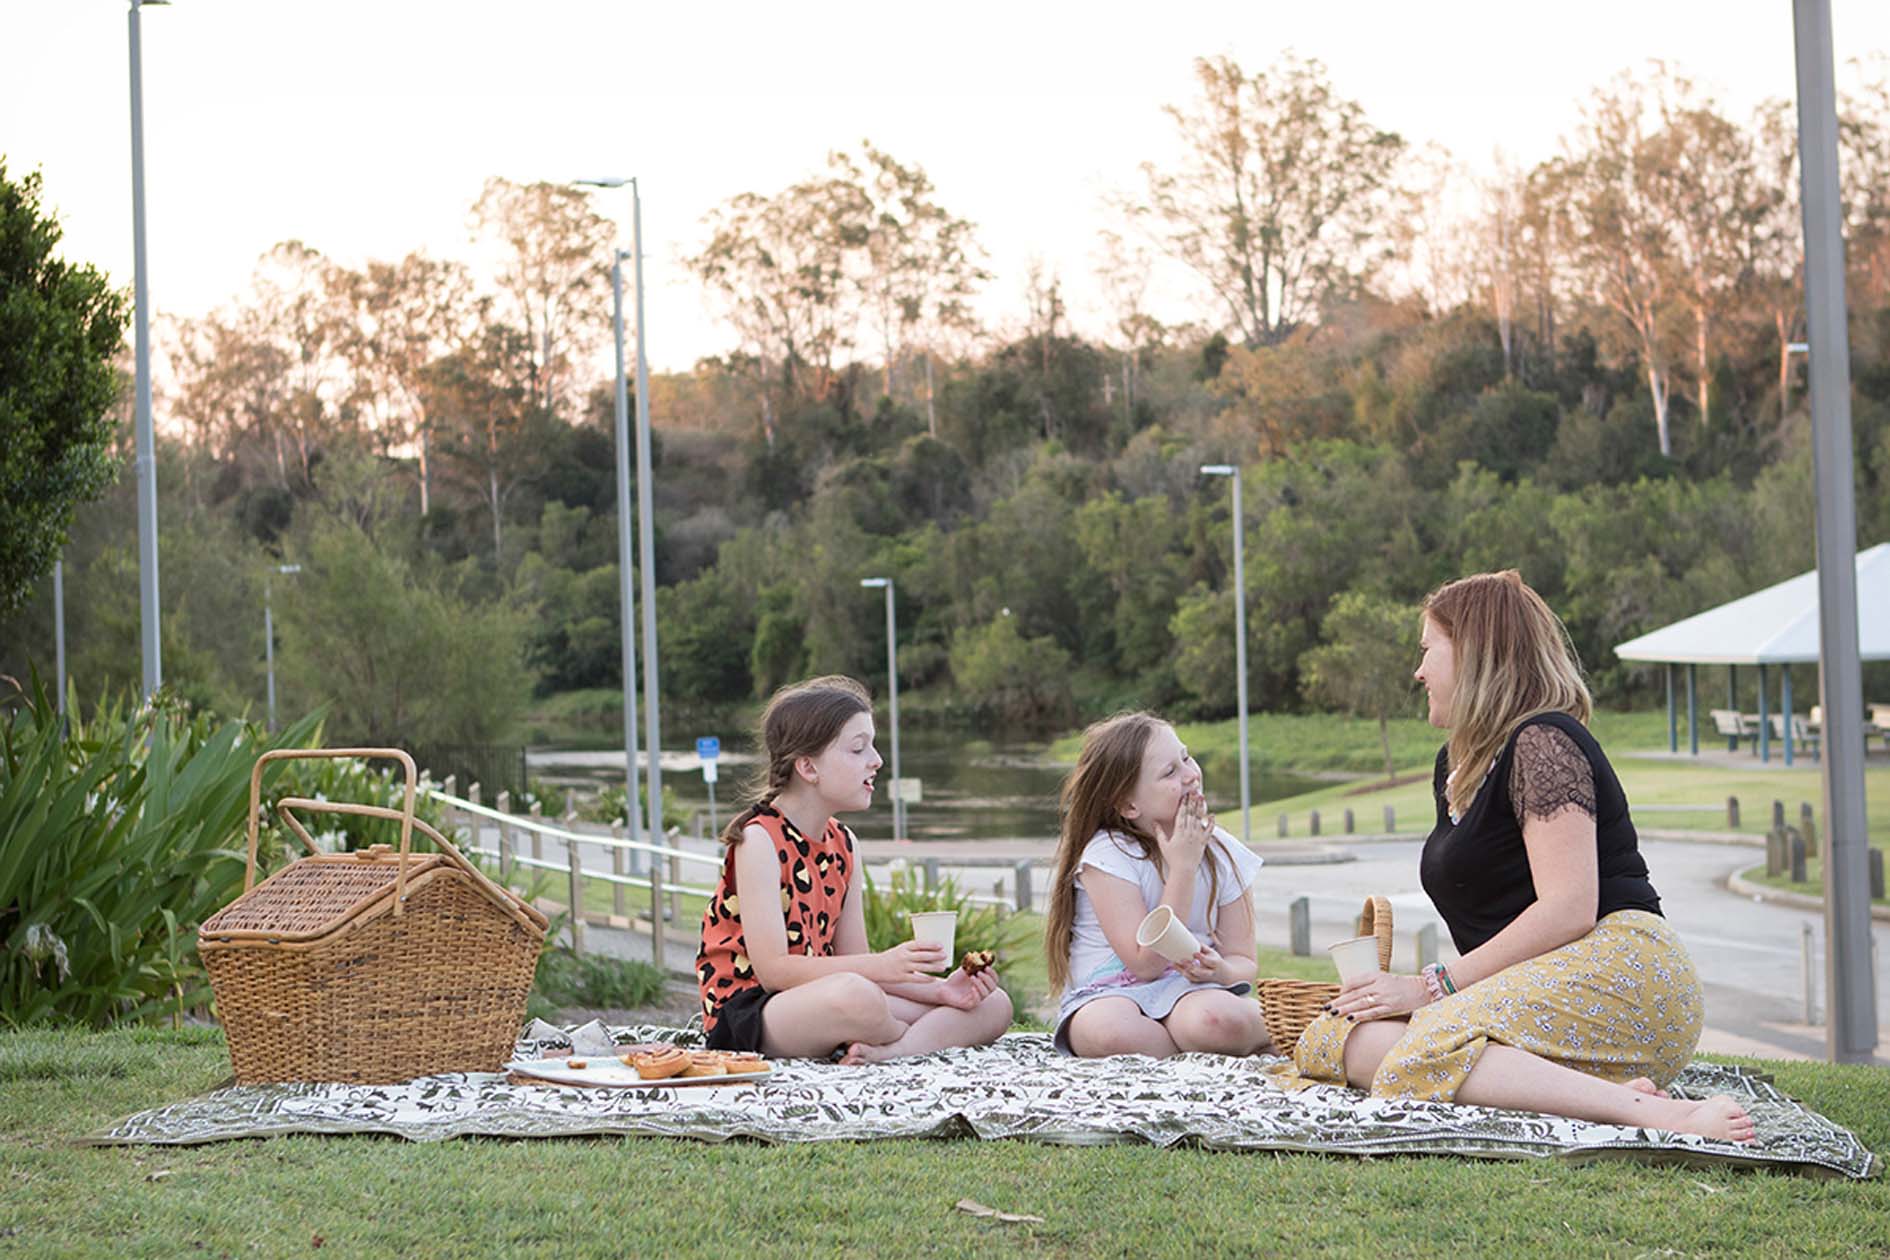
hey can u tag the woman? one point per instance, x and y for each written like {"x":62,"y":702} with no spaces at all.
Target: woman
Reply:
{"x":1572,"y":995}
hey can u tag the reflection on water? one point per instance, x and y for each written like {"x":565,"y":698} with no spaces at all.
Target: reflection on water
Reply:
{"x":972,"y":789}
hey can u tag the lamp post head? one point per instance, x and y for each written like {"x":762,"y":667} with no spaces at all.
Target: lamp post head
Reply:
{"x":605,"y":181}
{"x":1218,"y":470}
{"x":288,"y":568}
{"x":876,"y":582}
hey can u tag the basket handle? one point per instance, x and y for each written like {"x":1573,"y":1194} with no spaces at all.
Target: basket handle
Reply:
{"x":1375,"y":920}
{"x":310,"y":754}
{"x":528,"y":917}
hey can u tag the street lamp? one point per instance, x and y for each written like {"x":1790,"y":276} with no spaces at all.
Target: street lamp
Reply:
{"x":646,"y":540}
{"x":269,"y":640}
{"x":1240,"y":645}
{"x":892,"y":687}
{"x":141,"y":320}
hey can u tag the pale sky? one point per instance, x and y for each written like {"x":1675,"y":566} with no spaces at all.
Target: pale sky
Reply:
{"x":366,"y":127}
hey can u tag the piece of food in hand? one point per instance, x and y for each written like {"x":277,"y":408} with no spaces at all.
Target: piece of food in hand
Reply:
{"x":742,"y":1062}
{"x":705,"y":1063}
{"x":977,"y":960}
{"x":660,"y":1064}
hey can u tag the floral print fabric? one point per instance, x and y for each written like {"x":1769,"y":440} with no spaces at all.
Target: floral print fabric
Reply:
{"x":1621,"y":1002}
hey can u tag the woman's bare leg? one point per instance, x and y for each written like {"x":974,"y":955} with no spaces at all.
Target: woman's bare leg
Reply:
{"x":1507,"y":1077}
{"x":810,"y":1020}
{"x":930,"y":1028}
{"x":1217,"y":1022}
{"x":1116,"y":1025}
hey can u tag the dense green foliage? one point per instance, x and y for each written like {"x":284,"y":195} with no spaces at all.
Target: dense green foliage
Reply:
{"x":889,"y":913}
{"x":61,"y":327}
{"x":122,"y":833}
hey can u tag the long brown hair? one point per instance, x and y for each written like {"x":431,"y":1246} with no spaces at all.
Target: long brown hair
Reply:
{"x":1514,"y":660}
{"x":800,"y":721}
{"x":1093,"y":795}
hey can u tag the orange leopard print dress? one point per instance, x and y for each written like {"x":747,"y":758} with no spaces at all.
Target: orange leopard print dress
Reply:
{"x":814,"y":876}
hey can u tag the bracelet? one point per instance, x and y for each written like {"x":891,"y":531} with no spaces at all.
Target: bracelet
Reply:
{"x":1438,"y":982}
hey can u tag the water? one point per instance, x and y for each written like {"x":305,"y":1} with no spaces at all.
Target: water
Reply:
{"x":972,"y":789}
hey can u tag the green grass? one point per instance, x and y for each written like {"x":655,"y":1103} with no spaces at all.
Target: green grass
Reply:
{"x":1814,"y":878}
{"x":615,"y":1197}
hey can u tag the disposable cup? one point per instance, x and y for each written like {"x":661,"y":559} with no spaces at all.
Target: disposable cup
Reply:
{"x":1168,"y":936}
{"x":936,"y":927}
{"x":1356,"y":957}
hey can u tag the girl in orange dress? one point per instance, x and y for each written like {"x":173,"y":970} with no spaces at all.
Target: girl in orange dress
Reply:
{"x":784,"y":966}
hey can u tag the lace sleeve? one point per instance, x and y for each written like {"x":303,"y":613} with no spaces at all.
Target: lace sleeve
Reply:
{"x":1549,"y":773}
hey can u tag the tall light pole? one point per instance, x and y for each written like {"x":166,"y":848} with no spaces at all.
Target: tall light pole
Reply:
{"x":1851,"y":1026}
{"x":626,"y":602}
{"x":892,"y":688}
{"x":269,"y":640}
{"x":1240,"y":644}
{"x":141,"y":320}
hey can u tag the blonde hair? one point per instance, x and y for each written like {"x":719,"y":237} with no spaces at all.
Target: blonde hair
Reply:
{"x":1093,"y":795}
{"x":1514,"y":661}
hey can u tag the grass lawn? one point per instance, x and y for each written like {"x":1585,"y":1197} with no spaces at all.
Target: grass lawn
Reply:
{"x":1814,"y":878}
{"x":619,"y":1197}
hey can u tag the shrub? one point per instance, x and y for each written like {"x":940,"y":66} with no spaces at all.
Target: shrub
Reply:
{"x":568,"y":979}
{"x":889,"y":916}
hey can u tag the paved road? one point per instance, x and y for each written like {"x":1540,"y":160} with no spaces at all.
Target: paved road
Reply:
{"x":1750,"y":954}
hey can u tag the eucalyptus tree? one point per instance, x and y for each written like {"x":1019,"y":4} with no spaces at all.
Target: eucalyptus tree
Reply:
{"x":1277,"y":201}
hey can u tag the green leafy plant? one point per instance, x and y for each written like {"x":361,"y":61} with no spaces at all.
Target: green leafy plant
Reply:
{"x":567,"y":979}
{"x":889,"y":914}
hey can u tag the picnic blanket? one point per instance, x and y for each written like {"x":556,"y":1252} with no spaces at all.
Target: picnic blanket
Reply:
{"x":1017,"y":1088}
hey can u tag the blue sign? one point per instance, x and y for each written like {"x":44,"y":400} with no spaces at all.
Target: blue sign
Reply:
{"x":708,"y":748}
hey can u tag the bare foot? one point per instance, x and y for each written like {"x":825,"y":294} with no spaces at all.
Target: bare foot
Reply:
{"x":1717,"y":1117}
{"x":1645,"y":1085}
{"x":861,"y":1052}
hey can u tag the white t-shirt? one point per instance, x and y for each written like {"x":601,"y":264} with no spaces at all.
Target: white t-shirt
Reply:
{"x":1091,"y":958}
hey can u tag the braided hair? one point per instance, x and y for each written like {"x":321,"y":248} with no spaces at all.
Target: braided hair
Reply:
{"x":800,"y":721}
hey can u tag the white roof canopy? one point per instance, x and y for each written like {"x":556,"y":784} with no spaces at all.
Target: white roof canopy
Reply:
{"x":1775,"y":626}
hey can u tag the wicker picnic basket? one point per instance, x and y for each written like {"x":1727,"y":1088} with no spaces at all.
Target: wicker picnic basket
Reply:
{"x":368,"y":967}
{"x":1288,"y":1006}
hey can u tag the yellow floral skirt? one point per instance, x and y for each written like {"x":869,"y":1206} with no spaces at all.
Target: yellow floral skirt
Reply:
{"x":1621,"y":1002}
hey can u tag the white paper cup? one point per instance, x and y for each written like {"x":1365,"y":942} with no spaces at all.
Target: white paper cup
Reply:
{"x":1356,"y":957}
{"x":1167,"y":935}
{"x":936,"y":927}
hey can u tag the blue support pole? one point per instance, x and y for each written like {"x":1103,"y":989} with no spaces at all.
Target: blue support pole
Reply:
{"x":1673,"y":730}
{"x":1765,"y":722}
{"x":1785,"y":706}
{"x":1693,"y":710}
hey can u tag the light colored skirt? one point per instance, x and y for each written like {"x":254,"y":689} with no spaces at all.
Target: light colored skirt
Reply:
{"x":1156,"y":998}
{"x":1621,"y":1002}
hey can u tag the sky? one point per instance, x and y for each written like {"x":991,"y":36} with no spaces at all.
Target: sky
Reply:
{"x":365,"y":128}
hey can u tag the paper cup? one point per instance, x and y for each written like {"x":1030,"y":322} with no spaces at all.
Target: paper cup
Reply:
{"x":936,"y":927}
{"x":1356,"y":957}
{"x":1168,"y":936}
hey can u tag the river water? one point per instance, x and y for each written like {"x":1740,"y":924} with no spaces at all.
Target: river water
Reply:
{"x":971,"y":789}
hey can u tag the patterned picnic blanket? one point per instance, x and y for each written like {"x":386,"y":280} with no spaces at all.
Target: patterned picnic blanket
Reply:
{"x":1017,"y":1088}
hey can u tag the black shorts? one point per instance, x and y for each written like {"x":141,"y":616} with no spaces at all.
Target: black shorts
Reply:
{"x":738,"y":1026}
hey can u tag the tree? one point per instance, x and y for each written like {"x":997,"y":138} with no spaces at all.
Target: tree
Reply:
{"x":1364,"y":666}
{"x":61,"y":329}
{"x":1025,"y":681}
{"x":1276,"y":204}
{"x":553,"y":274}
{"x":492,"y":424}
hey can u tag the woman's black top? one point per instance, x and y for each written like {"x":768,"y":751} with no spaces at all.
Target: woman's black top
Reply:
{"x":1476,"y":871}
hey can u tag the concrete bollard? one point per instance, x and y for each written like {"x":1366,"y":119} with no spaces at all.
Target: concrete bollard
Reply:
{"x":1805,"y":942}
{"x":1808,"y":824}
{"x":1391,"y":820}
{"x":1775,"y":856}
{"x":1426,"y":945}
{"x":1314,"y":822}
{"x":1778,"y":813}
{"x":1020,"y":876}
{"x":1797,"y":843}
{"x":1874,"y":861}
{"x":1348,"y":822}
{"x":1283,"y":827}
{"x":1732,"y":813}
{"x":1299,"y":926}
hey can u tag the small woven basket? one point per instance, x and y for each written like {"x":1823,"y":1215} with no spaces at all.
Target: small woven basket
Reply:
{"x":369,"y":967}
{"x":1288,"y":1006}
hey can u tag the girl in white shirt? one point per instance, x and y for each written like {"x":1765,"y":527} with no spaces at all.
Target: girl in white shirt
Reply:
{"x":1136,"y":834}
